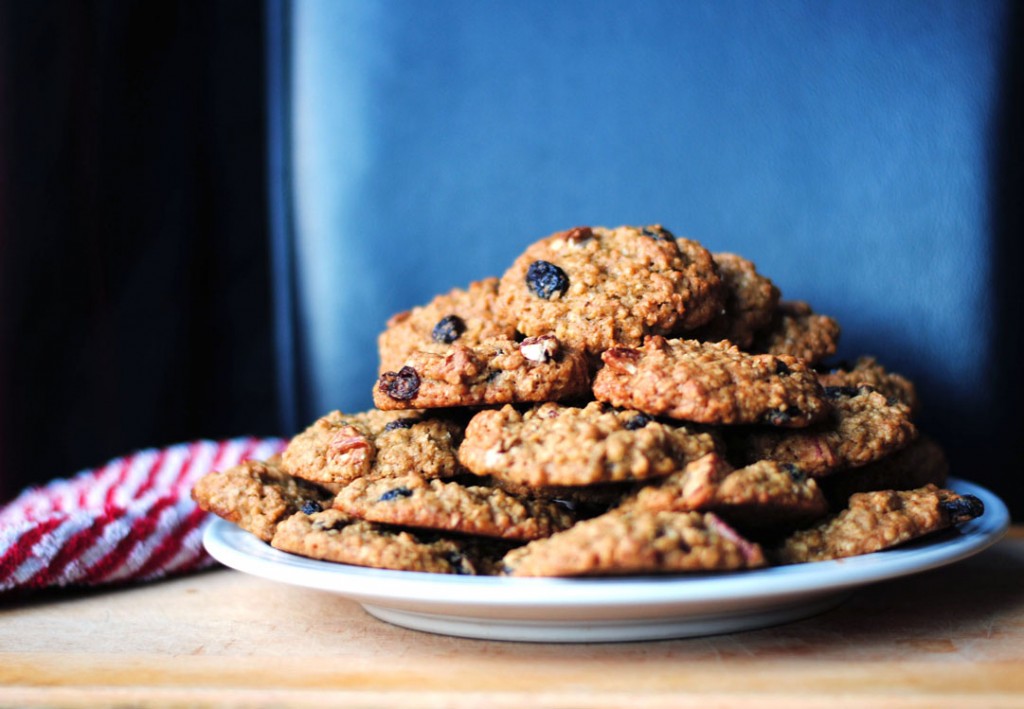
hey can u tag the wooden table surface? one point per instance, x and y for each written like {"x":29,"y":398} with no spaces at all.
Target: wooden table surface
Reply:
{"x":949,"y":637}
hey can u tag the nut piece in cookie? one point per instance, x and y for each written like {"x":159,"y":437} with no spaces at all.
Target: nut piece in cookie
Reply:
{"x":257,"y":495}
{"x":863,"y":426}
{"x":496,"y":371}
{"x":465,"y":316}
{"x":879,"y":520}
{"x":750,"y":300}
{"x":797,"y":331}
{"x":596,"y":288}
{"x":332,"y":535}
{"x":553,"y":445}
{"x":637,"y":542}
{"x":411,"y":501}
{"x":712,"y":383}
{"x":339,"y":448}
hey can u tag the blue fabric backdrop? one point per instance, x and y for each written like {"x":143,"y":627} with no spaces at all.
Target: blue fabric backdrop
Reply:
{"x":847,"y":148}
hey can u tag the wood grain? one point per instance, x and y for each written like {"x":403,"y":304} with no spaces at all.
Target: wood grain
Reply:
{"x":954,"y":636}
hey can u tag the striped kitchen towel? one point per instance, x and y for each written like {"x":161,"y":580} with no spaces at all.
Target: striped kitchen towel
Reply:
{"x":131,"y":519}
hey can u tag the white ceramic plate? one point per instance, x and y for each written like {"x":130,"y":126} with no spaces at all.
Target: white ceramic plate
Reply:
{"x":607,"y":609}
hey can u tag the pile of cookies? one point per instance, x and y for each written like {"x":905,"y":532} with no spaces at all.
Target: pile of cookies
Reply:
{"x":620,"y":401}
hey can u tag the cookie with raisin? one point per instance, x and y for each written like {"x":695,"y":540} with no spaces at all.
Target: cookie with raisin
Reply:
{"x":463,"y":315}
{"x":710,"y":383}
{"x":473,"y":509}
{"x":862,"y":427}
{"x":338,"y":448}
{"x":878,"y":520}
{"x":552,"y":445}
{"x":331,"y":535}
{"x":637,"y":542}
{"x":749,"y":303}
{"x":921,"y":462}
{"x":595,"y":288}
{"x":757,"y":499}
{"x":496,"y":371}
{"x":257,"y":496}
{"x":867,"y":371}
{"x":796,"y":330}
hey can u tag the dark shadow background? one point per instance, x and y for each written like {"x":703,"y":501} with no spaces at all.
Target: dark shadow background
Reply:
{"x":134,"y":266}
{"x":136,"y":302}
{"x":1005,"y":442}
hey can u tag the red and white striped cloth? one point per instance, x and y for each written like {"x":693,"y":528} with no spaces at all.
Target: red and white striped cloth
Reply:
{"x":132,"y":519}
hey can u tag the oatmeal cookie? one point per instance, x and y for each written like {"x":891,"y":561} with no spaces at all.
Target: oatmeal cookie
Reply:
{"x":338,"y":448}
{"x":687,"y":490}
{"x":465,"y":316}
{"x":596,"y":288}
{"x":412,"y":501}
{"x":759,"y":498}
{"x":864,"y":426}
{"x":767,"y":496}
{"x":879,"y":520}
{"x":331,"y":535}
{"x":553,"y":445}
{"x":749,"y":303}
{"x":921,"y":463}
{"x":867,"y":371}
{"x":257,"y":495}
{"x":797,"y":331}
{"x":497,"y":371}
{"x":710,"y":382}
{"x":637,"y":542}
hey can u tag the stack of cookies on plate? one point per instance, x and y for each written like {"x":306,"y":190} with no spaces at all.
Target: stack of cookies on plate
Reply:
{"x":620,"y":401}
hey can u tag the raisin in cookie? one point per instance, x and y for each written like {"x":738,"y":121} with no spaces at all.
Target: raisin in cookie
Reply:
{"x":331,"y":535}
{"x":636,"y":542}
{"x":412,"y":501}
{"x":465,"y":316}
{"x":339,"y":448}
{"x":596,"y":288}
{"x":749,"y":302}
{"x":256,"y":496}
{"x":863,"y":426}
{"x":496,"y":371}
{"x":878,"y":520}
{"x":798,"y":331}
{"x":554,"y":445}
{"x":710,"y":382}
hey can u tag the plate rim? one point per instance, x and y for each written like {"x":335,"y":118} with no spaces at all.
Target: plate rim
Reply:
{"x":240,"y":550}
